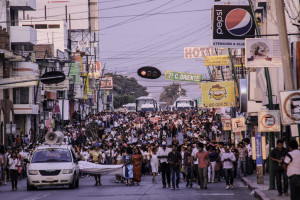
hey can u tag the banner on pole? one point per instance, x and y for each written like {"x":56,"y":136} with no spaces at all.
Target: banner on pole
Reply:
{"x":218,"y":94}
{"x":261,"y":52}
{"x":198,"y":52}
{"x":216,"y":60}
{"x":181,"y":76}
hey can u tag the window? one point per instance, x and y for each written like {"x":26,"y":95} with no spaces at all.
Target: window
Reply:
{"x":32,"y":26}
{"x":21,"y":95}
{"x":41,"y":26}
{"x":52,"y":26}
{"x":51,"y":155}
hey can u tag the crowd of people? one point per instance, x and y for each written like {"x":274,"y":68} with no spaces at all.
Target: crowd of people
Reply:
{"x":148,"y":144}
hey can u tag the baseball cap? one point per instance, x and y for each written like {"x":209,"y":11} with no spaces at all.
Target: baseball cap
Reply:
{"x":164,"y":144}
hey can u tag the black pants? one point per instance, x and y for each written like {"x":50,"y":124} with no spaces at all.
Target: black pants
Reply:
{"x":98,"y":179}
{"x":175,"y":171}
{"x":229,"y":175}
{"x":295,"y":187}
{"x":14,"y":178}
{"x":278,"y":174}
{"x":196,"y":173}
{"x":165,"y":172}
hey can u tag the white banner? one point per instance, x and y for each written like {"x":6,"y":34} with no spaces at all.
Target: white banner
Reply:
{"x":92,"y":168}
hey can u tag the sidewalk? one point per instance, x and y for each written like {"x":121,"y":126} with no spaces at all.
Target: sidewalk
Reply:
{"x":261,"y":191}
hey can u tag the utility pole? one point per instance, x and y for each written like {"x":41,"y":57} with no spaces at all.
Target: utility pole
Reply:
{"x":98,"y":92}
{"x":284,"y":46}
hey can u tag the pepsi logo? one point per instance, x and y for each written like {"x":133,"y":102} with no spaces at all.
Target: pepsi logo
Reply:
{"x":238,"y":22}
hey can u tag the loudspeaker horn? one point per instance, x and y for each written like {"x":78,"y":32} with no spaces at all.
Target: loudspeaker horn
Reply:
{"x":54,"y":137}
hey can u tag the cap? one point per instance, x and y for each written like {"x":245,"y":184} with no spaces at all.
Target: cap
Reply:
{"x":164,"y":144}
{"x":96,"y":144}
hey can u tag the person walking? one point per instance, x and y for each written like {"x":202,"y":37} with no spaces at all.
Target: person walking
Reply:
{"x":137,"y":159}
{"x":128,"y":175}
{"x":188,"y":164}
{"x":213,"y":156}
{"x":277,"y":156}
{"x":292,"y":166}
{"x":174,"y":159}
{"x":96,"y":157}
{"x":154,"y":163}
{"x":241,"y":167}
{"x":228,"y":158}
{"x":162,"y":155}
{"x":13,"y":164}
{"x":203,"y":163}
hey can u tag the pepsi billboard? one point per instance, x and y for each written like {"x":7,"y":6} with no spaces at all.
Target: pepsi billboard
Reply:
{"x":232,"y":24}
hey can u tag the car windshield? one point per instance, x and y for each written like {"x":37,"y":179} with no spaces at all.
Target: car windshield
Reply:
{"x":51,"y":155}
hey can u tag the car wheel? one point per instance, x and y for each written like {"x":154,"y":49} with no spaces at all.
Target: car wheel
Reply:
{"x":30,"y":187}
{"x":77,"y":183}
{"x":72,"y":185}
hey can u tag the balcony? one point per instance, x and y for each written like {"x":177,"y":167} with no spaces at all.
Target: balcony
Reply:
{"x":22,"y":4}
{"x":23,"y":35}
{"x":26,"y":109}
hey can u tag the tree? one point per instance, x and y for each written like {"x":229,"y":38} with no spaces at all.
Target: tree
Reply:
{"x":120,"y":100}
{"x":171,"y":93}
{"x":126,"y":89}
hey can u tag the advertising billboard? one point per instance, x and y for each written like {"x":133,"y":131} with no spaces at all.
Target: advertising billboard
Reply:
{"x":218,"y":94}
{"x":231,"y":25}
{"x":261,"y":52}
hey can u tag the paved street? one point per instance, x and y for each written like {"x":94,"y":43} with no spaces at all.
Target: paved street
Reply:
{"x":110,"y":190}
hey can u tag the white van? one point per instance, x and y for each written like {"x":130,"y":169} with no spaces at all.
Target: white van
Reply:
{"x":52,"y":165}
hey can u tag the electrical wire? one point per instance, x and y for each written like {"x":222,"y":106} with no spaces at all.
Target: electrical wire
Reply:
{"x":128,"y":20}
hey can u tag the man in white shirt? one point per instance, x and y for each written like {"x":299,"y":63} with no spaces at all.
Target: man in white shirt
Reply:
{"x":162,"y":155}
{"x":195,"y":167}
{"x":292,"y":165}
{"x":228,"y":158}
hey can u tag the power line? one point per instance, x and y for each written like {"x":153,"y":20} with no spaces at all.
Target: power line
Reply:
{"x":128,"y":20}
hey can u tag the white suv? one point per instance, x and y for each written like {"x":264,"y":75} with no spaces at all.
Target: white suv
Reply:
{"x":53,"y":165}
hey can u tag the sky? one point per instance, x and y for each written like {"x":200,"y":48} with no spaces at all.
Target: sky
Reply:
{"x":154,"y":33}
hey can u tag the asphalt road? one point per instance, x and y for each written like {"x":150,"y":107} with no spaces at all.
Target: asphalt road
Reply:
{"x":110,"y":190}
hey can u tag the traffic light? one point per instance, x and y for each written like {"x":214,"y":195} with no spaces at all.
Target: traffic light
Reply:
{"x":149,"y":72}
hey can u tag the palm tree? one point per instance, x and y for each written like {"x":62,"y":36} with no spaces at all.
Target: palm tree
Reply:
{"x":171,"y":93}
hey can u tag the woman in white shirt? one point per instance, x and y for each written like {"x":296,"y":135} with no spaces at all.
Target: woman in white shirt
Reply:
{"x":13,"y":164}
{"x":154,"y":162}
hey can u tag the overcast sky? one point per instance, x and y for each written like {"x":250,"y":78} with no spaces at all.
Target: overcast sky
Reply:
{"x":154,"y":33}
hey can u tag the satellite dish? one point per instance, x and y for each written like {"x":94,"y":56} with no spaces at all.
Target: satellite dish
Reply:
{"x":53,"y":77}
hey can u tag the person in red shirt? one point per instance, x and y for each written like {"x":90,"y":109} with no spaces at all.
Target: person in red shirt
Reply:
{"x":203,"y":163}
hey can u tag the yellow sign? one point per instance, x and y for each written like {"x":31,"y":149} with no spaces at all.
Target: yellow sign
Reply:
{"x":218,"y":94}
{"x":216,"y":60}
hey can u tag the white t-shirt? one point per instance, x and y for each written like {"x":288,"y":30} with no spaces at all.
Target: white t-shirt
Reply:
{"x":162,"y":152}
{"x":194,"y":152}
{"x":228,"y":164}
{"x":14,"y":163}
{"x":292,"y":160}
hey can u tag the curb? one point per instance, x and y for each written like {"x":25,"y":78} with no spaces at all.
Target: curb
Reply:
{"x":257,"y":193}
